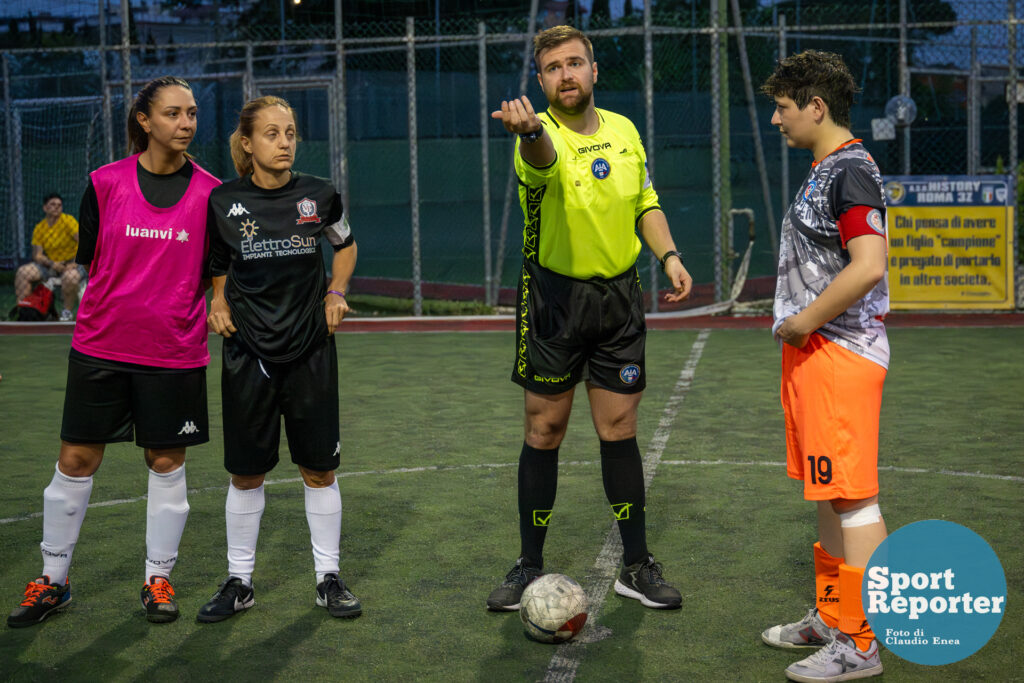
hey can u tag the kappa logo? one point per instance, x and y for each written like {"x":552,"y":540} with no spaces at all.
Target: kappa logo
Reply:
{"x":307,"y":211}
{"x":337,"y":449}
{"x":237,"y":210}
{"x":188,"y":428}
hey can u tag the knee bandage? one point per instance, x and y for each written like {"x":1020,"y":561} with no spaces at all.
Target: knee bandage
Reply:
{"x":860,"y":517}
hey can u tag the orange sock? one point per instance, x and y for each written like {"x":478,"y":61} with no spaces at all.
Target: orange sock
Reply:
{"x":852,"y":621}
{"x":826,"y":584}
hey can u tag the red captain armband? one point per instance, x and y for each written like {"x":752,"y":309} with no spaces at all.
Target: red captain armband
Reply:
{"x":860,"y":220}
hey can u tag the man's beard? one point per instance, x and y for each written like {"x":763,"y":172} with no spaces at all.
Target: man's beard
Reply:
{"x":582,"y":103}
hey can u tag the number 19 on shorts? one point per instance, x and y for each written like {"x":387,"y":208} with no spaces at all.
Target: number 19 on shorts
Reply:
{"x":821,"y":469}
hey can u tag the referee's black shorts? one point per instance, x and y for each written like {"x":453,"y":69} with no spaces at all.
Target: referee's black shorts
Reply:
{"x":257,"y":393}
{"x":571,"y":330}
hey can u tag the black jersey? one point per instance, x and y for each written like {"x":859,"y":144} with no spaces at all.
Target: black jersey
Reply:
{"x":267,"y":242}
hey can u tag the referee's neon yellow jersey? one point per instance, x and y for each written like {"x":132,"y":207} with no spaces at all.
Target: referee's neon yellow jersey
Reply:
{"x":581,"y":212}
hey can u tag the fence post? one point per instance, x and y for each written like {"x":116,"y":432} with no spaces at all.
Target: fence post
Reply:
{"x":904,"y":82}
{"x":783,"y":147}
{"x":108,"y":117}
{"x":755,"y":129}
{"x":341,"y":106}
{"x":973,"y":109}
{"x":490,"y":291}
{"x":720,"y":192}
{"x":17,"y":208}
{"x":126,"y":63}
{"x":649,"y":116}
{"x":249,"y":79}
{"x":414,"y":186}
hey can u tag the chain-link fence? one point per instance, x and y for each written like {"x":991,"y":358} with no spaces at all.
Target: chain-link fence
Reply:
{"x":397,"y":112}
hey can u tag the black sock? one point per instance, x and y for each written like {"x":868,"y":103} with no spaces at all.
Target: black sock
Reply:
{"x":623,"y":472}
{"x":538,"y":482}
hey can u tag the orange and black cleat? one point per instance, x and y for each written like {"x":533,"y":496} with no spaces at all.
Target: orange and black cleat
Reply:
{"x":42,"y":598}
{"x":158,"y":600}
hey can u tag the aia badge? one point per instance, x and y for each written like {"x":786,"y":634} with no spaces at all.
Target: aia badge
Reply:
{"x":629,"y":374}
{"x":876,"y":222}
{"x":307,"y":211}
{"x":600,"y":168}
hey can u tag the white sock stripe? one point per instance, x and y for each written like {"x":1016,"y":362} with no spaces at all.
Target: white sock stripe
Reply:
{"x":72,"y":482}
{"x":245,"y":501}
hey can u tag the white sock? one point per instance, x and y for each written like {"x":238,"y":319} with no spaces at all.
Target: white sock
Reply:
{"x":166,"y":513}
{"x":64,"y":503}
{"x":323,"y":512}
{"x":243,"y":511}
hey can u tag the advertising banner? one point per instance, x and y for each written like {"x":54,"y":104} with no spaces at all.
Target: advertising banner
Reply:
{"x":950,"y":242}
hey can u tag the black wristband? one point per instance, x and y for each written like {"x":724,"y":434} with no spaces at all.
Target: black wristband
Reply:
{"x":671,"y":252}
{"x":530,"y":138}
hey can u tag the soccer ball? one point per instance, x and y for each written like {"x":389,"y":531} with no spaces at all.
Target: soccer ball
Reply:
{"x":553,"y":608}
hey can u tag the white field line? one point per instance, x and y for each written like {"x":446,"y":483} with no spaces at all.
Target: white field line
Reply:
{"x":505,"y":465}
{"x":566,"y":660}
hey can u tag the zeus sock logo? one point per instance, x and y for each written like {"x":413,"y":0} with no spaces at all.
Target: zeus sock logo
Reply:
{"x":541,"y":518}
{"x":830,"y":594}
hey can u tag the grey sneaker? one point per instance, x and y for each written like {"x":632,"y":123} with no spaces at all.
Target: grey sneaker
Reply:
{"x":840,"y":660}
{"x":505,"y":598}
{"x":810,"y":631}
{"x":339,"y":601}
{"x":643,"y":581}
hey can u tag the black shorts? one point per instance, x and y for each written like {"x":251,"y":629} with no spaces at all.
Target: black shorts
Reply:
{"x":571,"y":330}
{"x":257,"y":394}
{"x":105,"y":402}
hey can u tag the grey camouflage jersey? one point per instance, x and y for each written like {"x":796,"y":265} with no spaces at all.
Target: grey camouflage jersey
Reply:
{"x":811,"y":253}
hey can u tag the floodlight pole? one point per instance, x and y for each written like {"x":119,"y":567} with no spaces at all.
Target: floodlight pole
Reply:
{"x":904,"y":82}
{"x":126,"y":64}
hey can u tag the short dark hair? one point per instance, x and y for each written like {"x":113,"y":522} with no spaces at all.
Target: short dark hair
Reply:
{"x":555,"y":36}
{"x":811,"y":74}
{"x":52,"y":195}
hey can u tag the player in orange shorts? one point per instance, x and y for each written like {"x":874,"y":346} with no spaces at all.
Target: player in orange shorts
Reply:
{"x":829,"y":303}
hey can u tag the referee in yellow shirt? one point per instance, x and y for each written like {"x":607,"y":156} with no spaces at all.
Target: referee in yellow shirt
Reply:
{"x":584,"y":190}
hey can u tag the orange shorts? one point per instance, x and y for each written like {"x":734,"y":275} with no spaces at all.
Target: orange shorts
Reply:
{"x":832,"y":398}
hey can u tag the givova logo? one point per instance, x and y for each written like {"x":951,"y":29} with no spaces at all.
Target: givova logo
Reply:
{"x":934,"y":592}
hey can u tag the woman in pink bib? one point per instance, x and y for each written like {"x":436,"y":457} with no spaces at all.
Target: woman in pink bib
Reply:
{"x":137,"y":365}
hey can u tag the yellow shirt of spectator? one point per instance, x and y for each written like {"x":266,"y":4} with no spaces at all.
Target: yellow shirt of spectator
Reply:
{"x":582,"y":210}
{"x":57,"y":240}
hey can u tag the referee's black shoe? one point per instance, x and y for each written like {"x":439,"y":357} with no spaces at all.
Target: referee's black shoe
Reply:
{"x":643,"y":581}
{"x":232,"y":597}
{"x":505,"y":598}
{"x":337,"y":598}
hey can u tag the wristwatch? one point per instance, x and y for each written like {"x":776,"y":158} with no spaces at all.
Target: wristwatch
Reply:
{"x":671,"y":252}
{"x":530,"y":138}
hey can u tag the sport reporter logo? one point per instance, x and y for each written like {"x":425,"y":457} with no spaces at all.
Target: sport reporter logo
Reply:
{"x":934,"y":592}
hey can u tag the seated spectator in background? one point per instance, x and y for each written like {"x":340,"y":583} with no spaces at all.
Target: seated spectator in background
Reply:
{"x":54,"y":244}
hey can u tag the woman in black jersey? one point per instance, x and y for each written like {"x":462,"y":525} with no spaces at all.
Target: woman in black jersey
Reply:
{"x":137,"y":365}
{"x":278,"y":315}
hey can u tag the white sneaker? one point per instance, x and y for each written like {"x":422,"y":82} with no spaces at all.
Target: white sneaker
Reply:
{"x":810,"y":631}
{"x":840,"y":660}
{"x":66,"y":316}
